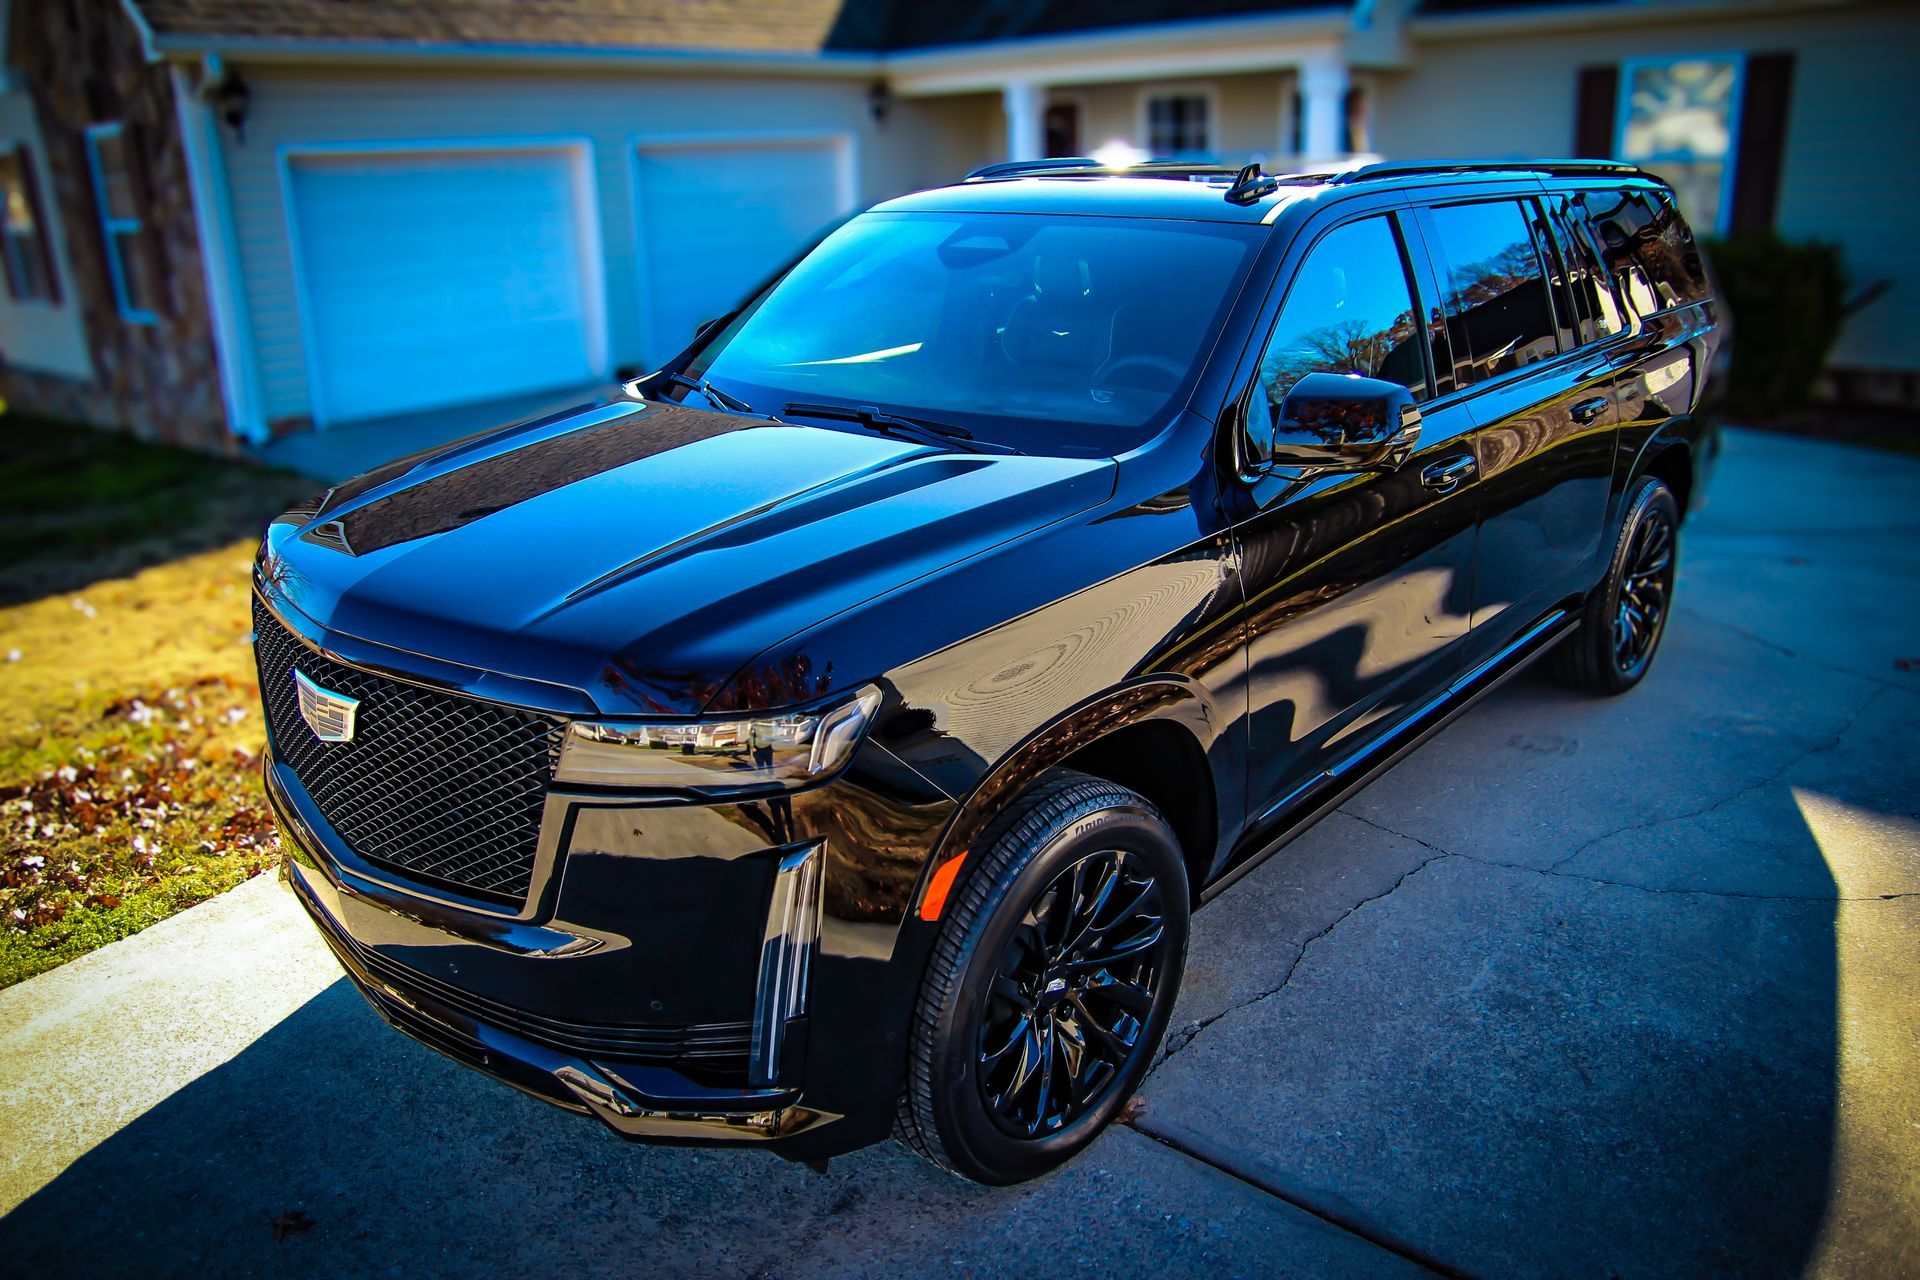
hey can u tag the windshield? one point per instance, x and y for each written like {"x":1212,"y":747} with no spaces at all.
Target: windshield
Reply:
{"x":1069,"y":333}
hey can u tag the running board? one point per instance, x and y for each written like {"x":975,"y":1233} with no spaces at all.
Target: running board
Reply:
{"x":1321,"y":794}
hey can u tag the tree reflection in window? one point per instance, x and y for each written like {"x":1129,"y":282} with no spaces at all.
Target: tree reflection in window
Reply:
{"x":1498,"y":311}
{"x":1349,"y":311}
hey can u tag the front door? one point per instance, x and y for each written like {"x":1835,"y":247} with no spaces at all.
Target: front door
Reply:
{"x":1356,"y":584}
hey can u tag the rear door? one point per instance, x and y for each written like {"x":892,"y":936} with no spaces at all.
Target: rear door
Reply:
{"x":1357,"y":585}
{"x":1542,"y":406}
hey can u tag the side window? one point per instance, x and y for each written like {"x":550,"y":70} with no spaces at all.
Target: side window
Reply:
{"x":1349,"y":309}
{"x":1648,"y":249}
{"x":1596,"y":310}
{"x":117,"y":190}
{"x":1498,"y":309}
{"x":23,"y":232}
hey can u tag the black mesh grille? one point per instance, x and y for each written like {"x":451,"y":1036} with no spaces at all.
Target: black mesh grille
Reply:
{"x":436,"y":786}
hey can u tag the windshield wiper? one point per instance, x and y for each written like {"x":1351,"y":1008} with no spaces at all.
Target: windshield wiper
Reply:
{"x":924,"y":429}
{"x":719,"y":398}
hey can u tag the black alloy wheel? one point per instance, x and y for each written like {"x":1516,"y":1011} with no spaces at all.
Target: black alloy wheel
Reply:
{"x":1626,"y":615}
{"x":1067,"y":1008}
{"x":1050,"y":983}
{"x":1646,"y":584}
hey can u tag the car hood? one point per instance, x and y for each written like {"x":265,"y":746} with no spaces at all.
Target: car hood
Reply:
{"x":641,"y":553}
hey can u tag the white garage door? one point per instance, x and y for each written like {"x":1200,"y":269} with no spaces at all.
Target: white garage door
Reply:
{"x":717,"y":219}
{"x":440,"y":278}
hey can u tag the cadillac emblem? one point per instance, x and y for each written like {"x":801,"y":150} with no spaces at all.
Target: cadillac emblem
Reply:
{"x":327,"y":713}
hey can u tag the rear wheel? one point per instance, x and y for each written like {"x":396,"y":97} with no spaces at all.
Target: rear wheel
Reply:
{"x":1051,"y":982}
{"x":1626,"y":616}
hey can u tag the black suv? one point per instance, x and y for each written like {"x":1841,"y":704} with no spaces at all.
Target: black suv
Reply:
{"x":831,"y":738}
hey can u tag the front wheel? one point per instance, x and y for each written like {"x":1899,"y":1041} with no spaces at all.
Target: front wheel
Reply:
{"x":1051,"y":983}
{"x":1626,"y":616}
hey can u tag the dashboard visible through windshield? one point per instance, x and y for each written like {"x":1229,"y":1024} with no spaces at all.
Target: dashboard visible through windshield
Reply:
{"x":1061,"y":332}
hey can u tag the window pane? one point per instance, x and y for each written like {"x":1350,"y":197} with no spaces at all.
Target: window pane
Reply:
{"x":1596,"y":309}
{"x":1679,"y":120}
{"x":1498,"y":311}
{"x":29,"y":268}
{"x":1349,"y":310}
{"x":1649,"y":249}
{"x":117,"y":179}
{"x":1087,"y":326}
{"x":1177,"y":125}
{"x":141,"y":269}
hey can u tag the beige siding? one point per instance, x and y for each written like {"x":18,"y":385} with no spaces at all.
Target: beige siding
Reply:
{"x":1852,"y":167}
{"x":45,"y":337}
{"x":1251,"y":111}
{"x":919,"y":144}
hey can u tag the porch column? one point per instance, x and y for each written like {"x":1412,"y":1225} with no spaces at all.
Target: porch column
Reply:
{"x":1026,"y":107}
{"x":1323,"y":105}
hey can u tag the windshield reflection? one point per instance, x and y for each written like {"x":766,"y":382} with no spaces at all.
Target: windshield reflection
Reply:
{"x":1007,"y":323}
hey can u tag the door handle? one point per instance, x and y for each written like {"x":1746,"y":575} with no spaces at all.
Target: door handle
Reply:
{"x":1448,"y":474}
{"x":1587,"y":410}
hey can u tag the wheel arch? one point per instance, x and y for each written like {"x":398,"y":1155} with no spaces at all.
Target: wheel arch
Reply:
{"x":1153,"y":736}
{"x":1667,"y":457}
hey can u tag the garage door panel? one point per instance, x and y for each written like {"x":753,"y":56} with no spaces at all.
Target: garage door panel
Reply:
{"x":431,"y":279}
{"x":716,"y":219}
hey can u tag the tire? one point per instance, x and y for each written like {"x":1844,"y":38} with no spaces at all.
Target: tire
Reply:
{"x":1625,"y":617}
{"x":1003,"y":962}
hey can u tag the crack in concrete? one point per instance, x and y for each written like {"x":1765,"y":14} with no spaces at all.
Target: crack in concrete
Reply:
{"x":1180,"y":1039}
{"x":1701,"y":893}
{"x":1783,"y":650}
{"x":1733,"y":797}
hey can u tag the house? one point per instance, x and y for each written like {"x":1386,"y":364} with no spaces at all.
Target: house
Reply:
{"x":228,"y":220}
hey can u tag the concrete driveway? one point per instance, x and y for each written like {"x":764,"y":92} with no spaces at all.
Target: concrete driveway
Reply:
{"x":1622,"y":988}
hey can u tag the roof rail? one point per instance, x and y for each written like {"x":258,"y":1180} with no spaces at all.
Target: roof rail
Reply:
{"x":1557,"y":168}
{"x":1086,"y":166}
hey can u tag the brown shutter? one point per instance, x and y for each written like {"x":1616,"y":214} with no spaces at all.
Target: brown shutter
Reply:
{"x":1595,"y":102}
{"x":1763,"y":141}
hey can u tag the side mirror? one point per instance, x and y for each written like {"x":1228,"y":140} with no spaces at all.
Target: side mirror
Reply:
{"x":1351,"y":423}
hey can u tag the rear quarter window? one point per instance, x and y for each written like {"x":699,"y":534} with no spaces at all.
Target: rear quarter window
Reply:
{"x":1648,"y":248}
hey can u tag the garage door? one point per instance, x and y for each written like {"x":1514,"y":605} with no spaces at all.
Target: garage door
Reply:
{"x":439,"y":278}
{"x":715,"y":220}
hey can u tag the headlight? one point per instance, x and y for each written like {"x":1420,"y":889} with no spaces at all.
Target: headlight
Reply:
{"x":717,"y":757}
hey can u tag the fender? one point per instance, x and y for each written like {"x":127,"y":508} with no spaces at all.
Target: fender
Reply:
{"x":1169,"y":698}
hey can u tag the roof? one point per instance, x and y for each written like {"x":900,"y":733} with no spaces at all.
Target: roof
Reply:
{"x":744,"y":26}
{"x":796,"y":27}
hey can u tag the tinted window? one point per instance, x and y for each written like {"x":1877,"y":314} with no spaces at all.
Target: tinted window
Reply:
{"x":1498,"y":311}
{"x":1648,"y":249}
{"x":1348,"y":310}
{"x":1596,"y":311}
{"x":1071,"y":332}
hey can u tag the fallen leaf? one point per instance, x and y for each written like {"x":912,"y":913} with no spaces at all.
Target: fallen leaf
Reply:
{"x":291,"y":1223}
{"x":1135,"y":1108}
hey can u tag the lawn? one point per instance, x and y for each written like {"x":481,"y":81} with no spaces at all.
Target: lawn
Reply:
{"x":130,"y":727}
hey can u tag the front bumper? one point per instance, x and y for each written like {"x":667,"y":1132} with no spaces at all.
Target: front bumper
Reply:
{"x":641,"y":1100}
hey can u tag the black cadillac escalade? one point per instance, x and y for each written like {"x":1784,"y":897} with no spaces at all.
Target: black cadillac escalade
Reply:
{"x":832,"y":737}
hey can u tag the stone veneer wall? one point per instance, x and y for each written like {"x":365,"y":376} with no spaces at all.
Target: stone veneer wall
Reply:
{"x":83,"y":64}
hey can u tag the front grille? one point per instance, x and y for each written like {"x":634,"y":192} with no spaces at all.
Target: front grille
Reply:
{"x":713,"y":1054}
{"x":440,"y":788}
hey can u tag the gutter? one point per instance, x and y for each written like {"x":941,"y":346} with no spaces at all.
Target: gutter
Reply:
{"x":1601,"y":15}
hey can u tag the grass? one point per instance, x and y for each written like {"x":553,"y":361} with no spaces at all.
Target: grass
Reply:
{"x":129,"y":719}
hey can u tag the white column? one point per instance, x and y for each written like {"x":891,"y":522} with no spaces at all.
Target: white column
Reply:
{"x":1026,"y":107}
{"x":1323,"y":104}
{"x":220,"y":260}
